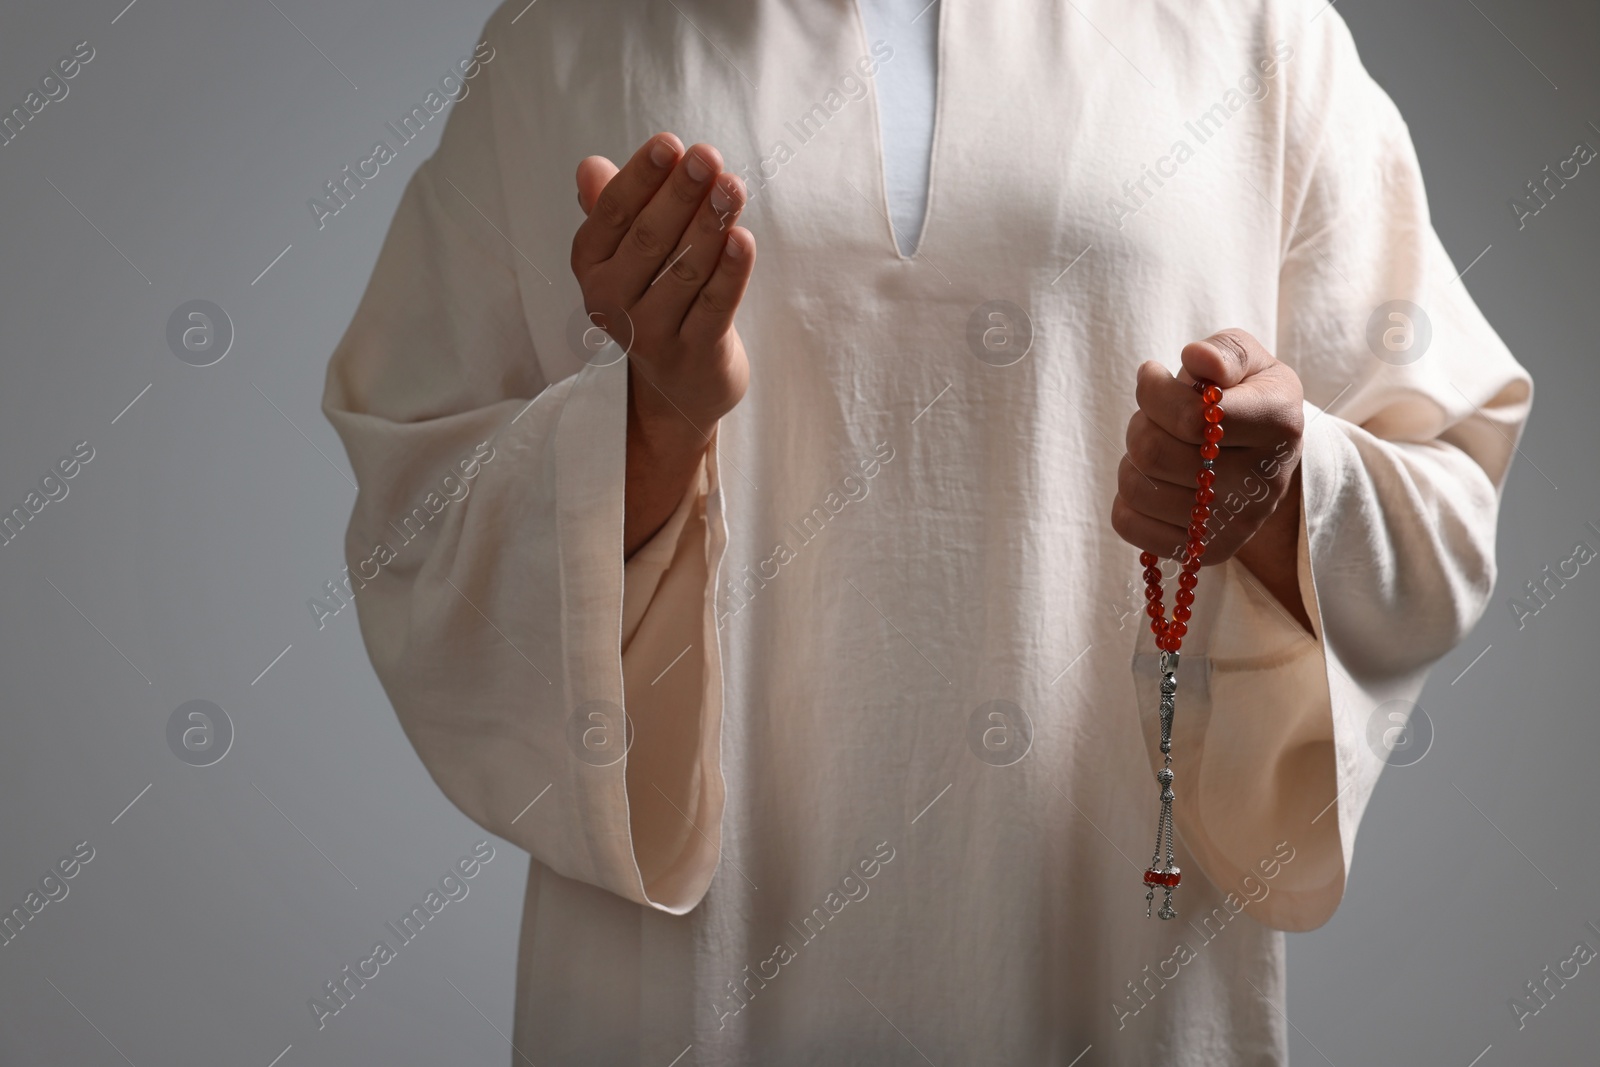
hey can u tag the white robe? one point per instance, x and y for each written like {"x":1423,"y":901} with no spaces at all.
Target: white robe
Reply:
{"x":890,"y":532}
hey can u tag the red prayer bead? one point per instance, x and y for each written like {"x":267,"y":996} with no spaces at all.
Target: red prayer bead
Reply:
{"x":1162,"y":879}
{"x":1169,"y":634}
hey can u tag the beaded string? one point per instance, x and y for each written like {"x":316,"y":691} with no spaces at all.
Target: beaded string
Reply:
{"x":1163,"y":872}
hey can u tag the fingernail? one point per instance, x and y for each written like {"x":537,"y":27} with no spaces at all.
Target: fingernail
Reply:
{"x":696,"y":168}
{"x":721,"y":199}
{"x":662,"y":153}
{"x":734,"y":249}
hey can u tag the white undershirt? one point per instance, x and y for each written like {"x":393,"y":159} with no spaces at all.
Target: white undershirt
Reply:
{"x":906,"y":86}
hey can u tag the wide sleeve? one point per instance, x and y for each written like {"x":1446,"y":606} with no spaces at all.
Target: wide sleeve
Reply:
{"x":1413,"y":410}
{"x":485,"y":546}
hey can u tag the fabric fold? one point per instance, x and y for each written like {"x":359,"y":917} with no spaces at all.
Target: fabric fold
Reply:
{"x":485,"y":548}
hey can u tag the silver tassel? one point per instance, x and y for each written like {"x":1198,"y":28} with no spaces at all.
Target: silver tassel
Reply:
{"x":1164,"y":834}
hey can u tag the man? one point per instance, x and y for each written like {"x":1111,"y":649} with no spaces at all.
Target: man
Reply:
{"x":848,"y":536}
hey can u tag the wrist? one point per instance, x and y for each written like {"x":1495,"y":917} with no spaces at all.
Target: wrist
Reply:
{"x":664,"y":435}
{"x":667,"y":442}
{"x":662,"y":428}
{"x":664,"y":449}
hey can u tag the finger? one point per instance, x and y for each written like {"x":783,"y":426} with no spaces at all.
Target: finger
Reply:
{"x":1163,"y":501}
{"x":594,"y":173}
{"x":1143,"y":532}
{"x":699,"y":251}
{"x":622,"y":199}
{"x":1169,"y":403}
{"x":1158,"y":455}
{"x":657,"y":231}
{"x":1263,"y":411}
{"x":1163,"y":538}
{"x":710,"y":317}
{"x":1226,"y":358}
{"x":1259,"y":412}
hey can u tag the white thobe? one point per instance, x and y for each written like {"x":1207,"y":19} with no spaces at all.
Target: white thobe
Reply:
{"x":828,"y":842}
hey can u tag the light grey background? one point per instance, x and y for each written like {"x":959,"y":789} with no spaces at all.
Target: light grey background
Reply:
{"x":179,"y":565}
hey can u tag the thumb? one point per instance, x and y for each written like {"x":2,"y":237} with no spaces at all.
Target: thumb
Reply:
{"x":594,"y":174}
{"x":1226,"y":358}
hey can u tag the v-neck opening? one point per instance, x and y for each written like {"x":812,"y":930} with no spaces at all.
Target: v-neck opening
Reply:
{"x":940,"y":66}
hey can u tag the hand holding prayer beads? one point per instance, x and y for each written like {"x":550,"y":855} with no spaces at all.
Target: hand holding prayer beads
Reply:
{"x":1156,"y":510}
{"x":1254,"y":483}
{"x":1163,"y":873}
